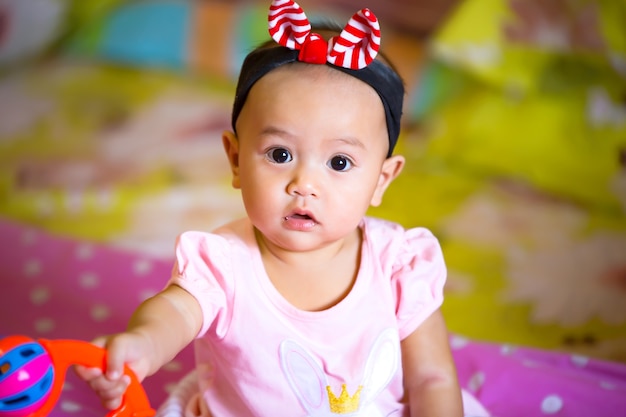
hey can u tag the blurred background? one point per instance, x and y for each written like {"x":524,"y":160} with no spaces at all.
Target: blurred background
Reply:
{"x":514,"y":130}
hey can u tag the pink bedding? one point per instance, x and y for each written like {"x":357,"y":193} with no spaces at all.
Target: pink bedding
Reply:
{"x":55,"y":287}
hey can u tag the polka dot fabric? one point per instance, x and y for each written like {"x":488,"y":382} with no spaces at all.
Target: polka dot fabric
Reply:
{"x":512,"y":381}
{"x":52,"y":287}
{"x":57,"y":288}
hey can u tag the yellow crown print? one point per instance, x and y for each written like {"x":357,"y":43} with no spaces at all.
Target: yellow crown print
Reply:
{"x":344,"y":404}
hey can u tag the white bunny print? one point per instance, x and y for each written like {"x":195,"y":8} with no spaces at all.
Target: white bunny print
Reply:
{"x":310,"y":385}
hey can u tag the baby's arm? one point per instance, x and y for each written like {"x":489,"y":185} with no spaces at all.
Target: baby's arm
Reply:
{"x":430,"y":378}
{"x":158,"y":330}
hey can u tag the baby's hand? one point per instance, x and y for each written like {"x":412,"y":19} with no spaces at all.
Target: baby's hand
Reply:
{"x":122,"y":349}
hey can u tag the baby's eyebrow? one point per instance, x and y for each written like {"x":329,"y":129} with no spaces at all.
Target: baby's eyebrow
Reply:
{"x":351,"y":141}
{"x":275,"y":131}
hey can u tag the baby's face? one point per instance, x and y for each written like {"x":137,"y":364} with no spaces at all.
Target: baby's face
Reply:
{"x":311,"y":155}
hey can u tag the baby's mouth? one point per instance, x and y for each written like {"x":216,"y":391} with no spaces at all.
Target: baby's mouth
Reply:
{"x":300,"y":216}
{"x":301,"y":221}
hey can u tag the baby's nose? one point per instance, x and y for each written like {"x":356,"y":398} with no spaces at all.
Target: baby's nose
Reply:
{"x":304,"y":184}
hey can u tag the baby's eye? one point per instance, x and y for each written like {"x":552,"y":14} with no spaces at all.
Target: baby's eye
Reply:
{"x":279,"y":155}
{"x":340,"y":163}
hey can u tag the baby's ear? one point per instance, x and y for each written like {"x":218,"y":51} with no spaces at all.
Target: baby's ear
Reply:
{"x":231,"y":147}
{"x":391,"y":168}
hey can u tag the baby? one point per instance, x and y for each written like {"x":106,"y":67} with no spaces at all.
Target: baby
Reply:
{"x":306,"y":307}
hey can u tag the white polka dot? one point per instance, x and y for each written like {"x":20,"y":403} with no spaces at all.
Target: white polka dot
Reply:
{"x":551,"y":404}
{"x":100,"y":312}
{"x":579,"y":360}
{"x":142,"y":267}
{"x":84,"y":252}
{"x":89,"y":280}
{"x":70,"y":406}
{"x":607,"y":385}
{"x":173,"y":366}
{"x":28,"y":238}
{"x":44,"y":325}
{"x":32,"y":268}
{"x":39,"y":295}
{"x":507,"y":350}
{"x":458,"y":342}
{"x":476,"y":381}
{"x":530,"y":363}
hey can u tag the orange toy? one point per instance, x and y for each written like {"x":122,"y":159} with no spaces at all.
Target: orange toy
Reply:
{"x":32,"y":374}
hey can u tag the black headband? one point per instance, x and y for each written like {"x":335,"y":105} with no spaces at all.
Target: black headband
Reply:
{"x":377,"y":75}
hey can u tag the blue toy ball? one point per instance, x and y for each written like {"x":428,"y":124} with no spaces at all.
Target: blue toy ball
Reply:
{"x":26,"y":376}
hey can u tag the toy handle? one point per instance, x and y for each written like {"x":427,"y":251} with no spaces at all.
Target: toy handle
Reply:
{"x":74,"y":352}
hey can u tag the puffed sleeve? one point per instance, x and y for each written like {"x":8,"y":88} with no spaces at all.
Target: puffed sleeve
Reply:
{"x":418,"y":277}
{"x":204,"y":269}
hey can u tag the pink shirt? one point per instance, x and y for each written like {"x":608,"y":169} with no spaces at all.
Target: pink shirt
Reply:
{"x":257,"y":355}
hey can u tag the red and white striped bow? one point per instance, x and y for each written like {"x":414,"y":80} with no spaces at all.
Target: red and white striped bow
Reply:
{"x":355,"y":48}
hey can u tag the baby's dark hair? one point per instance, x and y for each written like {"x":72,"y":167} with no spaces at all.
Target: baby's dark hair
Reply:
{"x":380,"y":74}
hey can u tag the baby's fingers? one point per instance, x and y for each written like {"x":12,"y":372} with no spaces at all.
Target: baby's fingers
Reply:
{"x":87,"y":374}
{"x":117,"y":352}
{"x":111,"y":393}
